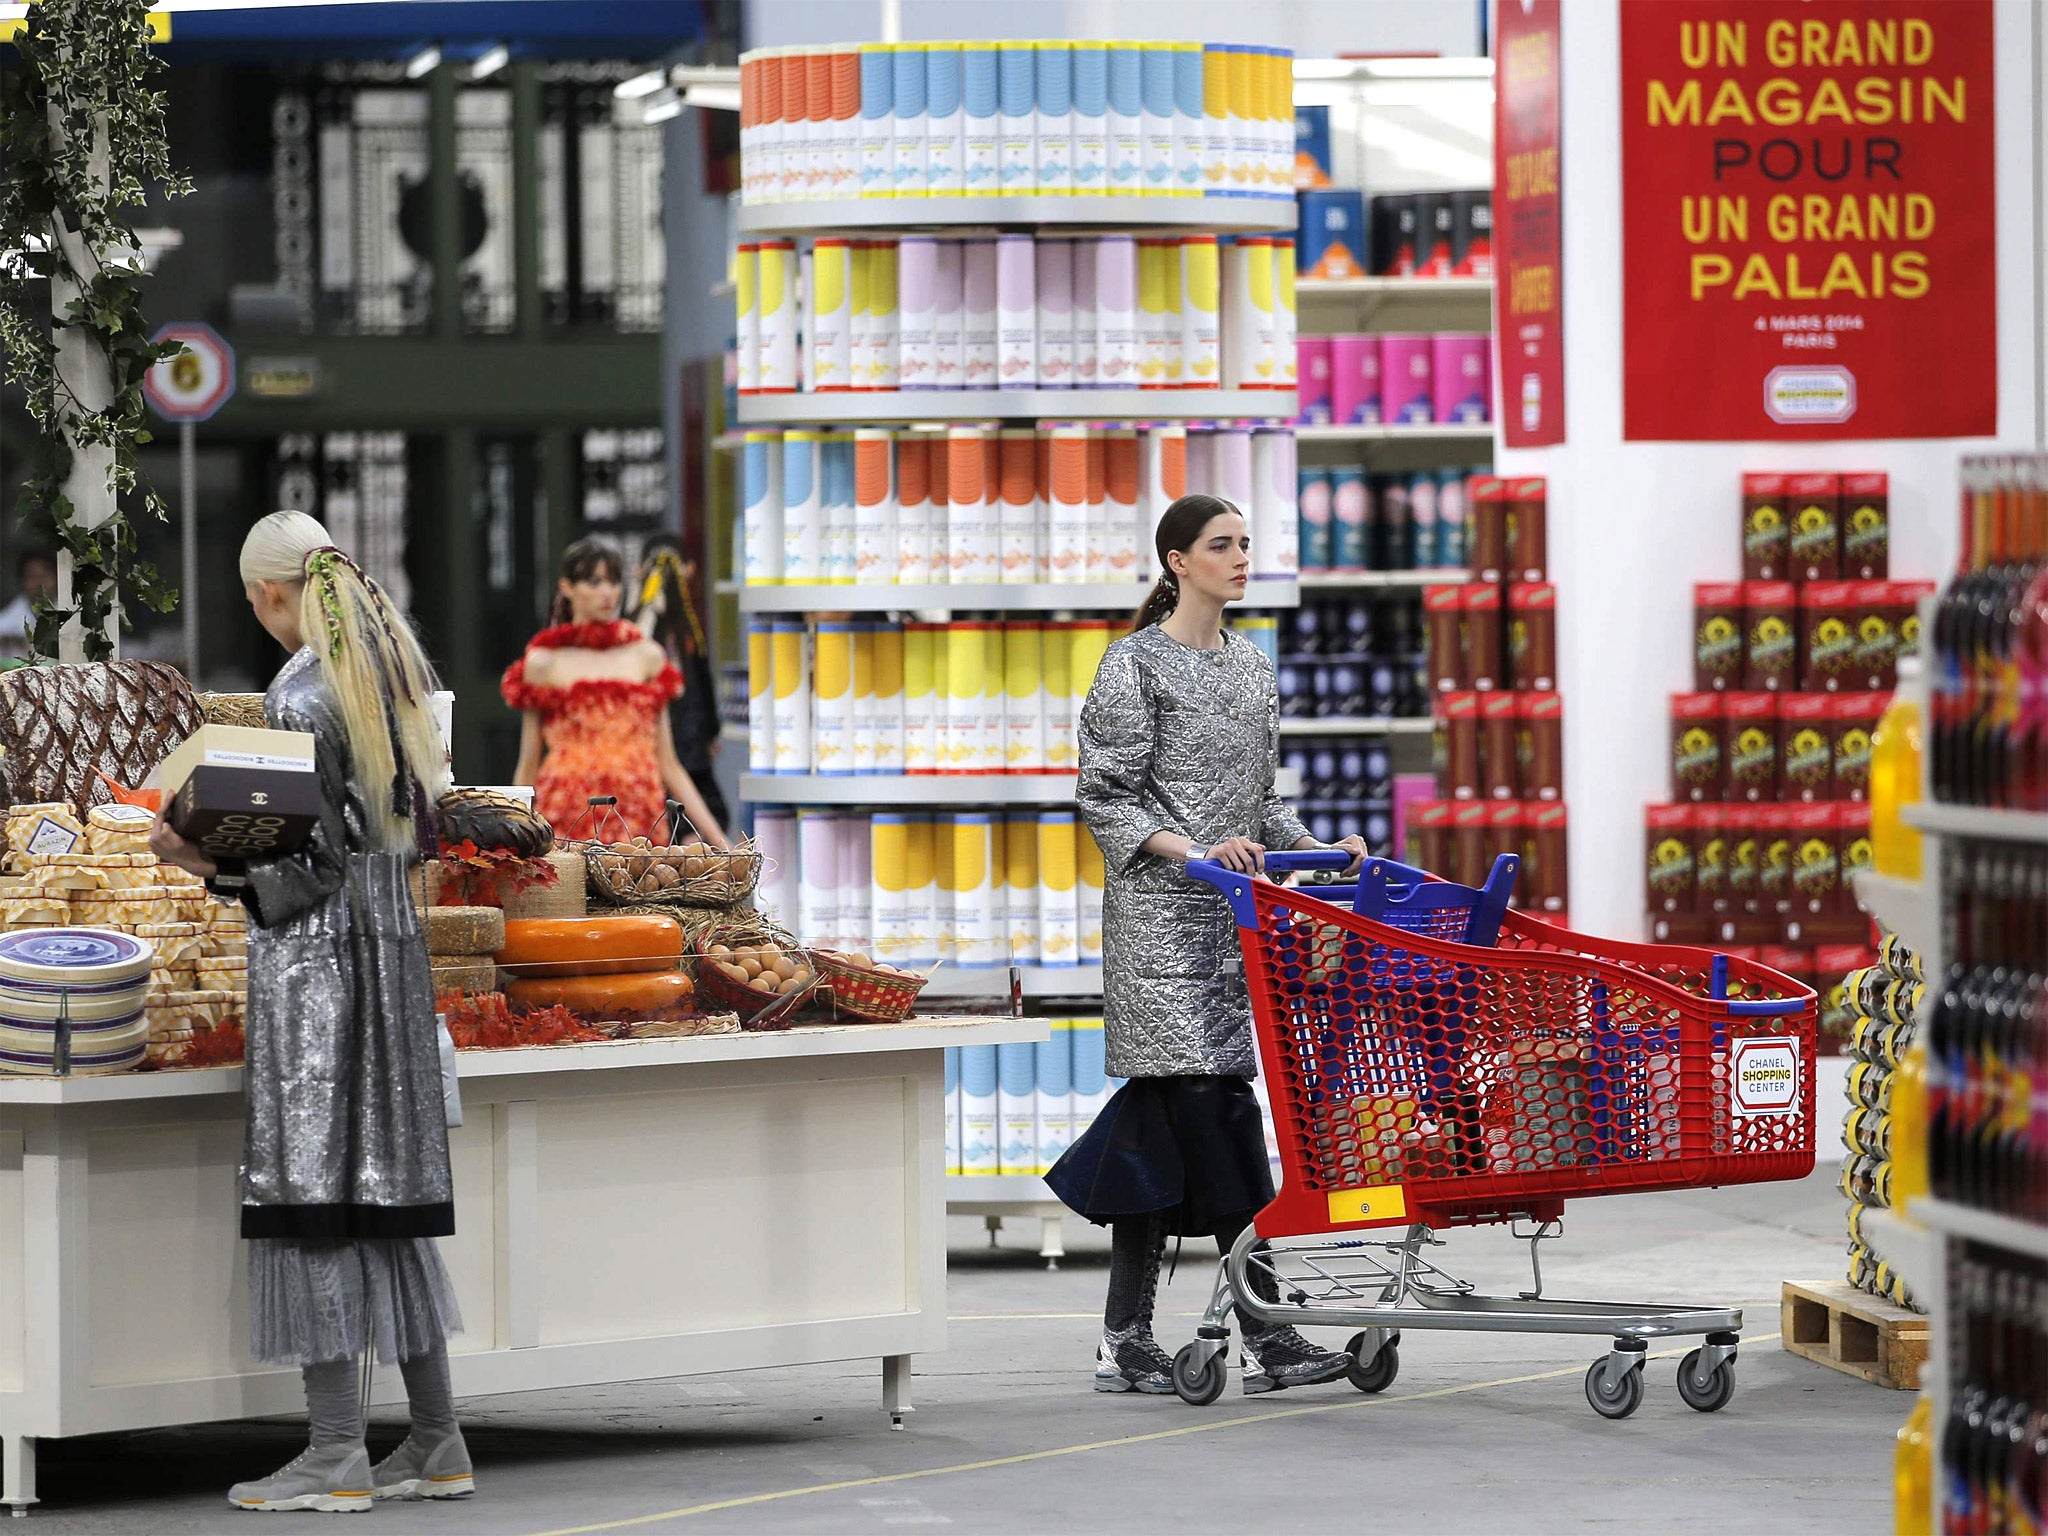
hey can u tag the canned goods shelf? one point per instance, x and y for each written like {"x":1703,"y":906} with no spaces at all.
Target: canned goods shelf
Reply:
{"x":930,"y":789}
{"x":1433,"y":432}
{"x":860,"y":407}
{"x":1978,"y":821}
{"x":1347,"y":725}
{"x":2006,"y":1232}
{"x":1224,"y":215}
{"x":1904,"y":906}
{"x":1345,"y":580}
{"x":951,"y":981}
{"x":1091,"y":597}
{"x":1384,"y":288}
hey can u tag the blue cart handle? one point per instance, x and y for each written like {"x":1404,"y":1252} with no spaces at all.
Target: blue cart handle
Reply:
{"x":1237,"y":888}
{"x":1765,"y":1008}
{"x":1287,"y":863}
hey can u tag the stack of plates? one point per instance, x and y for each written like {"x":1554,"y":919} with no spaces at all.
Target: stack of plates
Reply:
{"x":95,"y":980}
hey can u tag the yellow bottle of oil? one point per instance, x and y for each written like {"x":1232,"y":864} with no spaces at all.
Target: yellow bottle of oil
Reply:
{"x":1909,"y":1127}
{"x":1895,"y":779}
{"x":1913,"y":1473}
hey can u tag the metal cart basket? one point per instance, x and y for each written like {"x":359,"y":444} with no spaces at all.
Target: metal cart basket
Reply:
{"x":1434,"y":1060}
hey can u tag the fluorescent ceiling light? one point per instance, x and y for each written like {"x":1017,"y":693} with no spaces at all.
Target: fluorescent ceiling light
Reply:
{"x":640,"y":85}
{"x":425,"y":62}
{"x":663,"y":107}
{"x":490,"y":62}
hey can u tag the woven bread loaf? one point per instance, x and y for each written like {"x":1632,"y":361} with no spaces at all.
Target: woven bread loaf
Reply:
{"x":60,"y":724}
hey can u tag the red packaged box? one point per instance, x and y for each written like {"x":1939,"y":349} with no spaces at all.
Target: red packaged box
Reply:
{"x":1806,"y":747}
{"x":1469,"y":834}
{"x":1906,"y":597}
{"x":1486,"y":554}
{"x":1481,"y":603}
{"x":1497,"y":765}
{"x":1815,"y":512}
{"x":1770,"y":647}
{"x":1527,"y":529}
{"x":1854,"y":717}
{"x":1696,"y":746}
{"x":1545,"y":847}
{"x":1429,"y":835}
{"x":1670,"y":853}
{"x":1716,"y":636}
{"x":1774,"y":865}
{"x":1710,"y":862}
{"x":1443,"y":615}
{"x":1539,"y":745}
{"x":1827,"y":637}
{"x":1874,"y":615}
{"x":1458,"y":723}
{"x":1816,"y":862}
{"x":1532,"y":635}
{"x":1866,"y":527}
{"x":1766,"y":534}
{"x":1852,"y":842}
{"x":1504,"y":836}
{"x":1750,"y":735}
{"x":1792,"y":961}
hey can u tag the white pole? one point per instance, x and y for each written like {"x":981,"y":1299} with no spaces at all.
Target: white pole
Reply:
{"x":892,"y":21}
{"x":188,"y":539}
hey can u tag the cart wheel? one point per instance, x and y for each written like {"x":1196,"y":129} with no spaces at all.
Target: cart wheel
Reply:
{"x":1378,"y":1374}
{"x":1199,"y":1382}
{"x":1613,"y":1399}
{"x":1720,"y":1386}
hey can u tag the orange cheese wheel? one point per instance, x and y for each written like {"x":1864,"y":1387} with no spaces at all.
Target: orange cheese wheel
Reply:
{"x":538,"y":947}
{"x":640,"y":996}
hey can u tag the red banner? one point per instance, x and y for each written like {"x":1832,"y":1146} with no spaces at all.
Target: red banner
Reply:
{"x":1528,"y":294}
{"x":1808,"y":216}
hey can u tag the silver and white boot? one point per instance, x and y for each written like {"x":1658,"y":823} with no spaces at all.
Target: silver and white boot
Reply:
{"x":1278,"y":1358}
{"x":438,"y":1469}
{"x":1130,"y":1360}
{"x":330,"y":1480}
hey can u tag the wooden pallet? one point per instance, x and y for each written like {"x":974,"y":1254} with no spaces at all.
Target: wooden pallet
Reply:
{"x":1851,"y":1330}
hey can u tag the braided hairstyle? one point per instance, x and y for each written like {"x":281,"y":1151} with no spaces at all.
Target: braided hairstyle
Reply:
{"x":372,"y":660}
{"x":663,"y":607}
{"x":1180,"y":528}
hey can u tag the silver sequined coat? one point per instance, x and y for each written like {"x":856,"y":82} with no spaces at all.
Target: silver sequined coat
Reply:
{"x":1175,"y":739}
{"x":347,"y":1133}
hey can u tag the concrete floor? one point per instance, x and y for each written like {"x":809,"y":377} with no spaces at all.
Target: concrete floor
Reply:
{"x":1479,"y":1435}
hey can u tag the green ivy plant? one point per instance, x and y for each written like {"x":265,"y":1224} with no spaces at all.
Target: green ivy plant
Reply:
{"x":80,"y":84}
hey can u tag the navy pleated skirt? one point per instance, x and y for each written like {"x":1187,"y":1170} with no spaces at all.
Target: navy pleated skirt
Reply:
{"x":1193,"y":1147}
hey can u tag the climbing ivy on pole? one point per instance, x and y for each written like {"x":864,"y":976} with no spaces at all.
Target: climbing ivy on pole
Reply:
{"x":81,"y":143}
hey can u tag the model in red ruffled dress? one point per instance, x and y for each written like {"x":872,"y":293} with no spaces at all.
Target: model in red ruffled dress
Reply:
{"x":595,"y":694}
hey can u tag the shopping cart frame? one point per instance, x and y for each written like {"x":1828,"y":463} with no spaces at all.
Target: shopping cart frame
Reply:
{"x":1381,"y":1286}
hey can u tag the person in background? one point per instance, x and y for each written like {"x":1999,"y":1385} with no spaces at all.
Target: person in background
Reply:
{"x":667,"y":616}
{"x":1179,"y":745}
{"x":595,"y":691}
{"x":345,"y":1173}
{"x":35,"y":576}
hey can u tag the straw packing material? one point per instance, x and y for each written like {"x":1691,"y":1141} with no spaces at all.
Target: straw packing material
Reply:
{"x":244,"y":709}
{"x":465,"y":930}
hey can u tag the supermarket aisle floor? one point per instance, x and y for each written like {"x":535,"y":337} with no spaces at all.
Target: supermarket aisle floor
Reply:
{"x":1477,"y":1436}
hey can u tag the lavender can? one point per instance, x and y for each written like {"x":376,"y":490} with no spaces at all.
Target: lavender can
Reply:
{"x":1461,"y":384}
{"x":1406,"y":387}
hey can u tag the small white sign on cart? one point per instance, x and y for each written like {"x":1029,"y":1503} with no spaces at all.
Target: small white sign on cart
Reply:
{"x":1766,"y":1076}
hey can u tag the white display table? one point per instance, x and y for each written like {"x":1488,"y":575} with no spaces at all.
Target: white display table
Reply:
{"x":623,"y":1212}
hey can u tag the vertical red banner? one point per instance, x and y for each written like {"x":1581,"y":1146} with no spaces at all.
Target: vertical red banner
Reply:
{"x":1809,"y":212}
{"x":1528,"y":224}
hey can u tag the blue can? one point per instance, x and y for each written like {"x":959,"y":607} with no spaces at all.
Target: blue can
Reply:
{"x":1318,"y":535}
{"x":1332,"y":237}
{"x":1351,"y":518}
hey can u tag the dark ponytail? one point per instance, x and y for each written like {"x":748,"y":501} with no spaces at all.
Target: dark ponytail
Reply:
{"x":1180,"y":528}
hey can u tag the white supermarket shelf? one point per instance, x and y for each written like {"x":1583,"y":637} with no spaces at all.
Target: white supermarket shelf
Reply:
{"x":1904,"y":906}
{"x":1225,"y":215}
{"x":1397,"y":432}
{"x":1090,"y":597}
{"x":931,"y":789}
{"x":949,"y":981}
{"x":2007,"y":1232}
{"x":1906,"y":1245}
{"x":1316,"y":581}
{"x":860,"y":407}
{"x":1383,"y":288}
{"x":1978,"y":821}
{"x":976,"y":1189}
{"x":1357,"y":726}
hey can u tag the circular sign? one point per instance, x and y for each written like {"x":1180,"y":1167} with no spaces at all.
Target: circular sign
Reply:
{"x":196,"y":382}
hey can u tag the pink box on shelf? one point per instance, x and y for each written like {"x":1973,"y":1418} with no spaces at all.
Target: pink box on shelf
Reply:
{"x":1312,"y":379}
{"x":1409,"y":788}
{"x":1463,"y":384}
{"x":1407,"y":390}
{"x":1355,"y":385}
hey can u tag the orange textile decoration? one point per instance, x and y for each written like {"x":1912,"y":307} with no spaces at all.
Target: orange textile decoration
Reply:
{"x":148,"y":799}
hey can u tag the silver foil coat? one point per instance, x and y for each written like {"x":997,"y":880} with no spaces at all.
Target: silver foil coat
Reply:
{"x":346,"y":1132}
{"x":1175,"y":739}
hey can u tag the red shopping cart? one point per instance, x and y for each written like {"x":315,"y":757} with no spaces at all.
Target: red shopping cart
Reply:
{"x":1435,"y":1060}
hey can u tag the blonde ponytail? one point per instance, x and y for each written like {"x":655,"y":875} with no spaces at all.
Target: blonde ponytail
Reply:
{"x":370,"y":657}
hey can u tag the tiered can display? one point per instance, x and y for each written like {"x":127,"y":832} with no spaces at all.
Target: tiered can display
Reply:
{"x":1882,"y":1003}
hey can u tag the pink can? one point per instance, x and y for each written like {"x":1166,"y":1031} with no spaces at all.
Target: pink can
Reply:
{"x":1312,"y":380}
{"x":1463,"y":384}
{"x":1408,"y":396}
{"x":1355,"y":381}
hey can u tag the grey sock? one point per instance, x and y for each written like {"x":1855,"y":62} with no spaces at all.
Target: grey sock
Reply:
{"x":429,"y":1395}
{"x":334,"y":1403}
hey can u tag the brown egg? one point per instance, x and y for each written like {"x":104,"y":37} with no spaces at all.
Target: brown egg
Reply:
{"x":783,"y":967}
{"x":858,"y":957}
{"x":621,"y":847}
